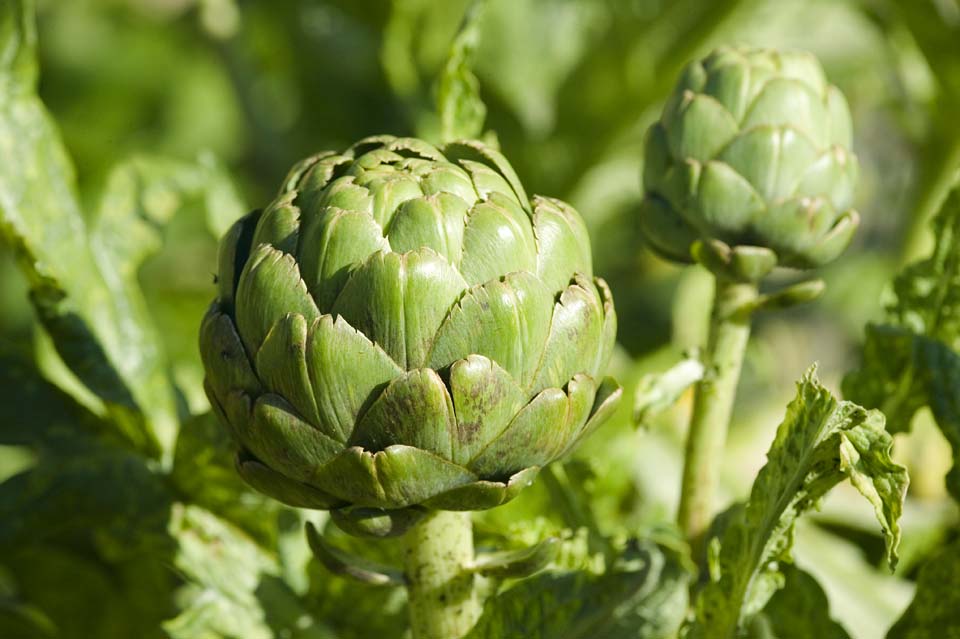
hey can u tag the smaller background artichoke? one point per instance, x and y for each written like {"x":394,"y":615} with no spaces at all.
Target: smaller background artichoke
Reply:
{"x":403,"y":329}
{"x":752,"y":149}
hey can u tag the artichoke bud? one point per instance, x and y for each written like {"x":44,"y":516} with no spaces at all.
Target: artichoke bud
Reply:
{"x":403,"y":329}
{"x":751,"y":158}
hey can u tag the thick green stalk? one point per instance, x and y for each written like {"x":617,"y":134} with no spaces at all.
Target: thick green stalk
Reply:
{"x":712,"y":406}
{"x":443,"y":595}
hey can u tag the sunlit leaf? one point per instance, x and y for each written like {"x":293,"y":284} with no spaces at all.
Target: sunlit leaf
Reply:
{"x":233,"y":588}
{"x":85,"y":296}
{"x":820,"y":443}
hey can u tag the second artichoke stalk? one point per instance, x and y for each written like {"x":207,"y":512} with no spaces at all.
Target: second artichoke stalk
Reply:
{"x":444,"y":601}
{"x":712,"y":407}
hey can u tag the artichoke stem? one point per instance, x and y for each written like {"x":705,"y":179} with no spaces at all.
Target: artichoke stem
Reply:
{"x":444,"y":601}
{"x":712,"y":406}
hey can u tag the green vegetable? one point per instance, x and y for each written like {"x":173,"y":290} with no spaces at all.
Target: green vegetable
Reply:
{"x":753,"y":150}
{"x":748,"y":168}
{"x":401,"y":330}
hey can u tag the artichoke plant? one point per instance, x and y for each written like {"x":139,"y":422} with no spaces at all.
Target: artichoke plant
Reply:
{"x":403,"y":330}
{"x":753,"y":150}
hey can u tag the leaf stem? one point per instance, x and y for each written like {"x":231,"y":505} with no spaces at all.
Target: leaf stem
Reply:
{"x":713,"y":404}
{"x":443,"y":593}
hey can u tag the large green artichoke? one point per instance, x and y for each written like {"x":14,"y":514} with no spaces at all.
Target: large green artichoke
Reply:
{"x":753,"y":150}
{"x":401,"y":329}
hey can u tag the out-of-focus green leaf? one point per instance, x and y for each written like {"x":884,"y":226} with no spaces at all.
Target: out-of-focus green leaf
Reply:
{"x":55,"y":419}
{"x":517,"y":563}
{"x":204,"y":474}
{"x":416,"y":41}
{"x":935,"y":610}
{"x":863,"y":597}
{"x":145,"y":192}
{"x":233,"y":588}
{"x":800,"y":610}
{"x":351,"y":566}
{"x":819,"y":443}
{"x":373,"y":612}
{"x":642,"y":596}
{"x":81,"y":482}
{"x":928,"y":292}
{"x":935,"y":30}
{"x":84,"y":294}
{"x":461,"y":110}
{"x":25,"y":620}
{"x":95,"y":490}
{"x":657,"y":392}
{"x":914,"y":359}
{"x":71,"y":596}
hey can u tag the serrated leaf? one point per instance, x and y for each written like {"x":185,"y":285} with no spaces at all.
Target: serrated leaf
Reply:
{"x":934,"y":612}
{"x":913,"y":360}
{"x":642,"y":596}
{"x":820,"y":443}
{"x":462,"y":111}
{"x":233,"y":588}
{"x":83,"y":272}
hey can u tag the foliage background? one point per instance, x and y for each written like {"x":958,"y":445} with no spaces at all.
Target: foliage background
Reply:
{"x":217,"y":88}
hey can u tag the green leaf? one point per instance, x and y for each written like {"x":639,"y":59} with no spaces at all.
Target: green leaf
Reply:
{"x":91,"y":489}
{"x":55,"y":419}
{"x":234,"y":588}
{"x":64,"y":593}
{"x":83,"y":271}
{"x":82,"y":481}
{"x":25,"y":620}
{"x":935,"y":609}
{"x":517,"y":563}
{"x":355,"y":609}
{"x":928,"y":292}
{"x":642,"y":596}
{"x":820,"y":443}
{"x":204,"y":473}
{"x":345,"y":564}
{"x":913,"y":360}
{"x":656,"y":392}
{"x":800,"y":610}
{"x":461,"y":110}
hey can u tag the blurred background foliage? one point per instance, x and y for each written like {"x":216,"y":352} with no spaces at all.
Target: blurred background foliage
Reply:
{"x":245,"y":89}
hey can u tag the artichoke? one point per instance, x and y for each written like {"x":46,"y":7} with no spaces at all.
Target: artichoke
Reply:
{"x":752,"y":151}
{"x":402,"y":329}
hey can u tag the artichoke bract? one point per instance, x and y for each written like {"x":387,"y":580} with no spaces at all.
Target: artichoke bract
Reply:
{"x":753,"y":149}
{"x":402,"y":329}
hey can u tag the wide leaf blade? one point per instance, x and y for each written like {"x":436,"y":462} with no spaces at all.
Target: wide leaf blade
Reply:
{"x":820,"y":443}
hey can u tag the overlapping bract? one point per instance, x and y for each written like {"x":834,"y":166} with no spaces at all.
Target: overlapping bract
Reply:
{"x":754,"y":149}
{"x":401,"y":328}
